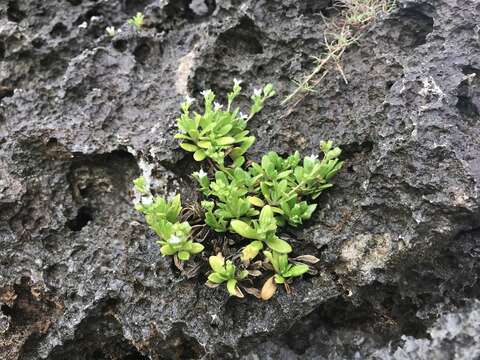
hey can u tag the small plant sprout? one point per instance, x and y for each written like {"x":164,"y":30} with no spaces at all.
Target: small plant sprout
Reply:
{"x":219,"y":133}
{"x":137,"y":21}
{"x":225,"y":271}
{"x":262,"y":229}
{"x":245,"y":203}
{"x":163,"y":217}
{"x":283,"y":272}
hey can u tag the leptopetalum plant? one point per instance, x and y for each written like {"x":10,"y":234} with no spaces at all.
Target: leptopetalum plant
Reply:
{"x":244,"y":203}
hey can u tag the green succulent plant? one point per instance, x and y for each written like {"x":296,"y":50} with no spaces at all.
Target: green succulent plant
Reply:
{"x":249,"y":199}
{"x":137,"y":21}
{"x":263,"y":229}
{"x":217,"y":133}
{"x":162,"y":216}
{"x":226,"y":271}
{"x":283,"y":271}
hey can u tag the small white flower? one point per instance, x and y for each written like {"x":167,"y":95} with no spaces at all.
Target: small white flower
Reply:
{"x":83,"y":25}
{"x":174,"y":240}
{"x":201,"y":173}
{"x":189,"y":100}
{"x":147,"y":200}
{"x":312,"y":157}
{"x":205,"y":93}
{"x":110,"y":31}
{"x":257,"y":92}
{"x":242,"y":115}
{"x":217,"y":106}
{"x":236,"y":81}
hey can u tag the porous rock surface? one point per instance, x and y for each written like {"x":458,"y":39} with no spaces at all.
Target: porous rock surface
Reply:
{"x":81,"y":276}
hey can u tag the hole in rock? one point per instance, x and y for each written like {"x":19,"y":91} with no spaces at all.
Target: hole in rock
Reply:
{"x":2,"y":50}
{"x":142,"y":52}
{"x":84,"y":216}
{"x":120,"y":45}
{"x":467,"y":107}
{"x":99,"y":336}
{"x":14,"y":13}
{"x":38,"y":42}
{"x":326,"y":8}
{"x":74,"y":2}
{"x":59,"y":30}
{"x":243,"y":38}
{"x":5,"y":91}
{"x":414,"y":27}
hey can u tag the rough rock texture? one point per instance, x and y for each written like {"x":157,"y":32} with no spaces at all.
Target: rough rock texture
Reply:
{"x":80,"y":275}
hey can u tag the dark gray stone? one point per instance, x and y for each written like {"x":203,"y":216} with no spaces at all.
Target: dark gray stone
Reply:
{"x":81,"y":276}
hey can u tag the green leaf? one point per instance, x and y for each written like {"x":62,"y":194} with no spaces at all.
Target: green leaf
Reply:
{"x":182,"y":136}
{"x":232,"y":287}
{"x":196,"y":248}
{"x":205,"y":144}
{"x":217,"y":263}
{"x":278,"y":245}
{"x":243,"y":229}
{"x":279,"y":279}
{"x":216,"y":278}
{"x":227,"y":140}
{"x":183,"y":255}
{"x":140,"y":185}
{"x":266,"y":215}
{"x":255,"y":201}
{"x":167,"y":250}
{"x":188,"y":147}
{"x":199,"y":155}
{"x":296,"y":270}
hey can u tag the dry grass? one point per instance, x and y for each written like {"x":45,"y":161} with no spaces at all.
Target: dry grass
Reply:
{"x":355,"y":17}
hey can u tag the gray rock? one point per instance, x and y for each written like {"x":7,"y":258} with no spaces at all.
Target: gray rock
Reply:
{"x":81,"y":276}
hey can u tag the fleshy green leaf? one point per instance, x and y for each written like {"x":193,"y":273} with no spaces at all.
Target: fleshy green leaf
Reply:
{"x":296,"y":270}
{"x":217,"y":263}
{"x":232,"y":287}
{"x":196,"y":248}
{"x":243,"y":229}
{"x":199,"y":155}
{"x":188,"y":147}
{"x":255,"y":201}
{"x":183,"y":255}
{"x":167,"y":250}
{"x":278,"y":245}
{"x":216,"y":278}
{"x":227,"y":140}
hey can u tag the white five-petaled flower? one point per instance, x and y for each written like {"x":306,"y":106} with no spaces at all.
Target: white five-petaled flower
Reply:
{"x":312,"y":157}
{"x":217,"y":106}
{"x":257,"y":92}
{"x":242,"y":115}
{"x":174,"y":240}
{"x":201,"y":173}
{"x":205,"y":93}
{"x":236,"y":81}
{"x":189,"y":100}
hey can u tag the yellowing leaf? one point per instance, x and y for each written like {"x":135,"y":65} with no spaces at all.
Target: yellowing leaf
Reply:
{"x":255,"y":201}
{"x":268,"y":289}
{"x":217,"y":263}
